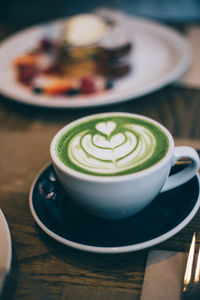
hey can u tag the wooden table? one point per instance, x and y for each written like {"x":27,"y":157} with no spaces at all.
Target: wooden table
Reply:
{"x":26,"y":133}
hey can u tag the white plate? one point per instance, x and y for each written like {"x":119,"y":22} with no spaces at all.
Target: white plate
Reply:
{"x":160,"y":56}
{"x":5,"y":249}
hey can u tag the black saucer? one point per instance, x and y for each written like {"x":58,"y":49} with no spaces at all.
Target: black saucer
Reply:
{"x":62,"y":219}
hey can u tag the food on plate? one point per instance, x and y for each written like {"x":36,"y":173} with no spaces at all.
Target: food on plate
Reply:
{"x":115,"y":53}
{"x":85,"y":30}
{"x":79,"y":45}
{"x":87,"y":58}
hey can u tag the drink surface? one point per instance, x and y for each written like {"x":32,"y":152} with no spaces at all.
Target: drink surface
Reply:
{"x":112,"y":145}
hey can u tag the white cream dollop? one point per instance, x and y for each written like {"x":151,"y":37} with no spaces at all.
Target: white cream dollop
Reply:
{"x":84,"y":29}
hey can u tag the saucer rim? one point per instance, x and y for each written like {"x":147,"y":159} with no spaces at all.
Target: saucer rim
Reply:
{"x":110,"y":250}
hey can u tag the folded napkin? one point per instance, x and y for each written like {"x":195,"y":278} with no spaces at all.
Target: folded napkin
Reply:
{"x":164,"y":275}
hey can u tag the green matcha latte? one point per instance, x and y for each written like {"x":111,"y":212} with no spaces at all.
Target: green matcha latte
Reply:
{"x":111,"y":144}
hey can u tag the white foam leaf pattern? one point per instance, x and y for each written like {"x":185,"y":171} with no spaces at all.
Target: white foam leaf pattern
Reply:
{"x":106,"y":155}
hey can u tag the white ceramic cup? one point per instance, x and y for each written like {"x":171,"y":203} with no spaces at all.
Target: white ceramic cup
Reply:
{"x":117,"y":197}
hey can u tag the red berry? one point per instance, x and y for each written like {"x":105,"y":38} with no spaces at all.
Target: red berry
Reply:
{"x":27,"y":74}
{"x":87,"y":86}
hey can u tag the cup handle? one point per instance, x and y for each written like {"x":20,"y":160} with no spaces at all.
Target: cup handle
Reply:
{"x":186,"y":174}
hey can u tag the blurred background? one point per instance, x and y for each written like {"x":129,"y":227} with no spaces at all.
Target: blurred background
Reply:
{"x":22,"y":13}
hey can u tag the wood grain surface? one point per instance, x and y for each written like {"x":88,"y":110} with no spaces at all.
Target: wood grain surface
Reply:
{"x":25,"y":134}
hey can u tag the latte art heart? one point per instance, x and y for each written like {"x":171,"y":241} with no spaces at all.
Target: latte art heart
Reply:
{"x":113,"y":142}
{"x":106,"y":127}
{"x":111,"y":147}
